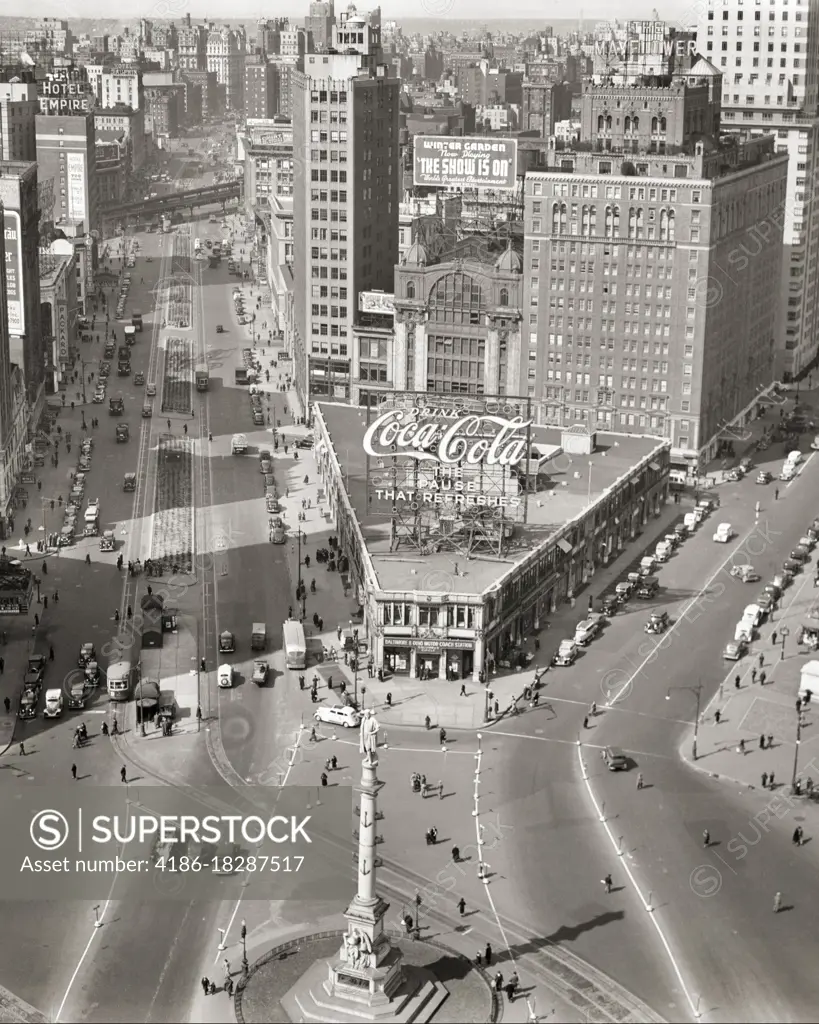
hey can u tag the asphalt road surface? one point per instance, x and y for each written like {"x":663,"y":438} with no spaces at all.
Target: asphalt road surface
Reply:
{"x":737,"y":959}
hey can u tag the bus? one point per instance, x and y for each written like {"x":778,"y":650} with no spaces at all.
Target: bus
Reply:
{"x":295,"y":646}
{"x":119,"y":680}
{"x":166,"y":223}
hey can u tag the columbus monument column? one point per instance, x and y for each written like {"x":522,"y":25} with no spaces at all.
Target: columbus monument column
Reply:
{"x":367,"y":980}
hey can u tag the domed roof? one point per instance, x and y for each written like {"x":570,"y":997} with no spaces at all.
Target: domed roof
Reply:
{"x":508,"y":262}
{"x":416,"y":255}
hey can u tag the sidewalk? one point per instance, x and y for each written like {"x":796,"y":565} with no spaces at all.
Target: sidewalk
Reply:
{"x":23,"y":637}
{"x":219,"y":1008}
{"x":754,"y":711}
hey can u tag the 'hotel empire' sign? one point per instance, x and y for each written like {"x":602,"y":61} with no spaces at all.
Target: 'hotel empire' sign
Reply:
{"x":61,"y":94}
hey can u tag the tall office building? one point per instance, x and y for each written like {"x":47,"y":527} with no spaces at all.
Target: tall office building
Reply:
{"x":346,"y":199}
{"x":19,"y":106}
{"x":66,"y":153}
{"x":192,"y":46}
{"x":20,"y":197}
{"x":261,"y":87}
{"x":122,"y":86}
{"x":319,"y":23}
{"x":647,"y":310}
{"x":769,"y":57}
{"x":226,"y":49}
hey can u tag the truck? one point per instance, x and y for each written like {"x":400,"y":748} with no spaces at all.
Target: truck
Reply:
{"x":166,"y":223}
{"x":116,"y":406}
{"x":258,"y":637}
{"x":240,"y":375}
{"x":136,"y":320}
{"x":124,"y":368}
{"x":124,"y":352}
{"x":53,"y":703}
{"x":238,"y":444}
{"x":130,"y":335}
{"x":202,"y":377}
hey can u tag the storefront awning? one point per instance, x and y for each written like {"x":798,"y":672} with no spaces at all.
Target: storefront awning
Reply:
{"x":147,"y":694}
{"x":564,"y":546}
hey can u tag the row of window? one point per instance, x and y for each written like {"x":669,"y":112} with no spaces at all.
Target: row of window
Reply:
{"x":329,"y":330}
{"x":322,"y":253}
{"x":335,"y":348}
{"x":566,"y":190}
{"x":321,"y":96}
{"x":336,"y":312}
{"x":456,"y":615}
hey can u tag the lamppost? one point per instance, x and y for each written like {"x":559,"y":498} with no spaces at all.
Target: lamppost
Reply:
{"x":301,"y":592}
{"x":245,"y":964}
{"x":36,"y":580}
{"x":783,"y":633}
{"x":796,"y":748}
{"x":697,"y":691}
{"x":141,"y":708}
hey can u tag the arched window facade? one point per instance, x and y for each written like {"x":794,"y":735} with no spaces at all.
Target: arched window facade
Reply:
{"x":456,"y":352}
{"x":560,"y":219}
{"x":504,"y":296}
{"x":410,"y":289}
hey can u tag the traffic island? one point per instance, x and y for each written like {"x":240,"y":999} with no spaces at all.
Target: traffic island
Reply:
{"x":172,"y":537}
{"x":267,"y":995}
{"x":177,"y":383}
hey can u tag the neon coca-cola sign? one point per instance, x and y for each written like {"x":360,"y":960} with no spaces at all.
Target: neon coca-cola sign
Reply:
{"x":448,"y":437}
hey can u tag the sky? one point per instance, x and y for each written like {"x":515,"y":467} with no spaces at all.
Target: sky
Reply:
{"x":538,"y":12}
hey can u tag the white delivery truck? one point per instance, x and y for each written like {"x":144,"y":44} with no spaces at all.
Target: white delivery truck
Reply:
{"x":238,"y":444}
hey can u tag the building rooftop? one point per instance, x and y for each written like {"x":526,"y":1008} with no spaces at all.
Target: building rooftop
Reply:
{"x":568,"y":485}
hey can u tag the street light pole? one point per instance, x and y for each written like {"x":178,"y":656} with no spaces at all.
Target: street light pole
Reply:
{"x":141,"y":708}
{"x":796,"y":750}
{"x":783,"y":633}
{"x":697,"y":691}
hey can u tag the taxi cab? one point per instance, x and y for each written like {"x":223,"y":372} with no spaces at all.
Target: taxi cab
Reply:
{"x":87,"y":654}
{"x":227,"y":642}
{"x":225,"y":677}
{"x":658,"y":623}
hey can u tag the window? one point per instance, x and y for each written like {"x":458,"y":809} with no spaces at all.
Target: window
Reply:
{"x":410,"y":289}
{"x":396,"y":614}
{"x":428,"y":614}
{"x":504,"y":296}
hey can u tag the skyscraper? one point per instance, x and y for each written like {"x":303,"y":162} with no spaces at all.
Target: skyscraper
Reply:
{"x":649,"y":308}
{"x":346,"y":197}
{"x":768,"y":58}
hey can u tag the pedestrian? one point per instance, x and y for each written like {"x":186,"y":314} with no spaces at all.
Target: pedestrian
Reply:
{"x":169,"y":424}
{"x":123,"y":774}
{"x":45,"y":602}
{"x":753,"y":674}
{"x":798,"y":836}
{"x":736,"y":682}
{"x":777,"y":903}
{"x":130,"y":612}
{"x":456,"y":854}
{"x":761,"y":659}
{"x":442,"y":736}
{"x":706,"y":838}
{"x":741,"y":747}
{"x":7,"y":704}
{"x":585,"y":721}
{"x":324,"y":778}
{"x":463,"y":690}
{"x":764,"y":780}
{"x":717,"y":716}
{"x":22,"y":750}
{"x":212,"y":988}
{"x":607,"y":883}
{"x":773,"y":638}
{"x":640,"y":780}
{"x":36,"y":620}
{"x":771,"y":779}
{"x":2,"y":665}
{"x":776,"y":494}
{"x":487,"y":955}
{"x":73,"y":771}
{"x":116,"y":615}
{"x":762,"y":677}
{"x":462,"y":906}
{"x":205,"y":985}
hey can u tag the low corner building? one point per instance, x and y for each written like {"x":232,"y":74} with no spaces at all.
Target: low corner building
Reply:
{"x":459,"y":555}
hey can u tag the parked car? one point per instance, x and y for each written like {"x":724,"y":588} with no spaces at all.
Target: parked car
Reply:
{"x":735,"y":650}
{"x":763,"y":477}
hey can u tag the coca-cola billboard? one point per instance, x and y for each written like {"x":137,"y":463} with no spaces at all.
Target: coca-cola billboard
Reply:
{"x":451,"y":457}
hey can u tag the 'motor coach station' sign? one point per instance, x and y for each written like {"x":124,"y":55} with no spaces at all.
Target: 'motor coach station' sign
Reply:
{"x":465,"y":162}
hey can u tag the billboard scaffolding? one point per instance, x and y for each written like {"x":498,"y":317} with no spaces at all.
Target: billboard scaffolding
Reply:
{"x":467,"y":505}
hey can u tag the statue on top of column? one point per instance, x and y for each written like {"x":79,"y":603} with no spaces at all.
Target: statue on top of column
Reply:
{"x":368,"y":736}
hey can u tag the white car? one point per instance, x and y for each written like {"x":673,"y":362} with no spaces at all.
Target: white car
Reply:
{"x":225,"y":677}
{"x":339,"y":714}
{"x":150,"y":389}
